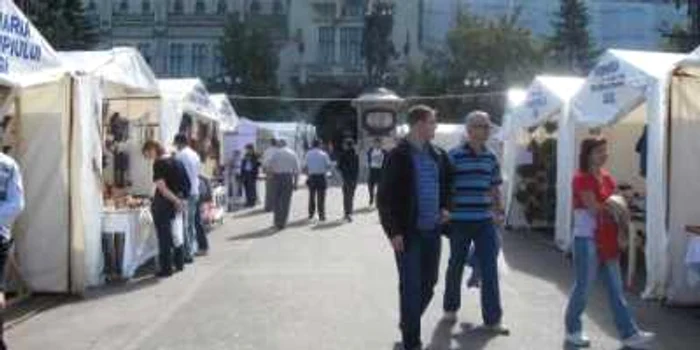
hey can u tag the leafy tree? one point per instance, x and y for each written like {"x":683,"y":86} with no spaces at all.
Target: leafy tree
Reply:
{"x":64,"y":23}
{"x":250,"y":67}
{"x":377,"y":47}
{"x":685,"y":39}
{"x":571,"y":47}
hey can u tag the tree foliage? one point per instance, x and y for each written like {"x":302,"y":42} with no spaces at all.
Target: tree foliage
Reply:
{"x":685,"y":38}
{"x":250,"y":67}
{"x":64,"y":23}
{"x":377,"y":47}
{"x":571,"y":48}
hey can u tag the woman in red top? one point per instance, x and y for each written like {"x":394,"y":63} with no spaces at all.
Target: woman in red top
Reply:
{"x":593,"y":185}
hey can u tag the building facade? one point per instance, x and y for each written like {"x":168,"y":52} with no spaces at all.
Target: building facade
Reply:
{"x":624,"y":24}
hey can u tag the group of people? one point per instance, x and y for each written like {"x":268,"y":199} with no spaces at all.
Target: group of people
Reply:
{"x":426,"y":192}
{"x":181,"y":191}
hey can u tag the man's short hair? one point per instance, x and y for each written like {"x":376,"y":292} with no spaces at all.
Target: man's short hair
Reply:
{"x":419,"y":113}
{"x":316,"y":143}
{"x":181,"y":140}
{"x":476,"y":115}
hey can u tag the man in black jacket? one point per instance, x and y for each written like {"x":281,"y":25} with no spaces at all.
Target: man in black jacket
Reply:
{"x":413,"y":204}
{"x":349,"y":167}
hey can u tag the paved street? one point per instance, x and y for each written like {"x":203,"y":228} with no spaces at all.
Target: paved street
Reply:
{"x":330,"y":286}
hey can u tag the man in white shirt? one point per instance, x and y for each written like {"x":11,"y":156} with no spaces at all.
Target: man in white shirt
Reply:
{"x":317,"y":165}
{"x":284,"y":167}
{"x":274,"y":147}
{"x":11,"y":205}
{"x":375,"y":160}
{"x":193,"y":165}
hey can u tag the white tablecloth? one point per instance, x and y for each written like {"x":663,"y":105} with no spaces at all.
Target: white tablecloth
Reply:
{"x":140,"y":242}
{"x":692,"y":260}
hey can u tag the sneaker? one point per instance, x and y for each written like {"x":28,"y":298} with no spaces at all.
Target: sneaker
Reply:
{"x":498,"y":328}
{"x":578,"y":340}
{"x":449,"y":316}
{"x":348,"y":218}
{"x":202,"y":253}
{"x":640,"y":340}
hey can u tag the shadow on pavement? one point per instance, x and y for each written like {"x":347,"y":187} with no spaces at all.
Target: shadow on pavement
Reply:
{"x":119,"y":288}
{"x":247,"y":214}
{"x":469,"y":337}
{"x":262,"y":233}
{"x":365,"y":210}
{"x":328,"y":225}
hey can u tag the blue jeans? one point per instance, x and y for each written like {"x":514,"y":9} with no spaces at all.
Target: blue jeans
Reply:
{"x":587,"y":267}
{"x":191,"y":227}
{"x":418,"y":268}
{"x":485,"y":239}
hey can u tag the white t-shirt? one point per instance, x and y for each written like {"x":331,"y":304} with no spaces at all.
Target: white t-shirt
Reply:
{"x":376,"y":158}
{"x":584,"y":223}
{"x":190,"y":159}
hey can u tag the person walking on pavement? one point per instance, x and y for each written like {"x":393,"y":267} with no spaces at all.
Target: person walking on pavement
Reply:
{"x":595,"y":249}
{"x":413,"y":204}
{"x":193,"y":165}
{"x":285,"y":167}
{"x":349,"y":167}
{"x":170,"y":178}
{"x":274,"y":147}
{"x":205,"y":197}
{"x":250,"y":167}
{"x":317,"y":165}
{"x":375,"y":159}
{"x":11,"y":205}
{"x":476,"y":209}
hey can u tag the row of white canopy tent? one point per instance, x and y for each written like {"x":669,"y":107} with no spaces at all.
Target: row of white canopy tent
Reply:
{"x":625,"y":91}
{"x":58,"y":101}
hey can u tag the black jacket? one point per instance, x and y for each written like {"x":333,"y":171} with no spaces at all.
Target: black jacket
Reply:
{"x":397,"y":200}
{"x":349,"y":165}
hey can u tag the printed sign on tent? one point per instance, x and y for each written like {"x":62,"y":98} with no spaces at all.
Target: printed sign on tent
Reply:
{"x":22,"y":48}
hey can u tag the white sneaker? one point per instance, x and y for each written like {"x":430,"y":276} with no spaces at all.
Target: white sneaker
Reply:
{"x":498,"y":328}
{"x":449,"y":316}
{"x":640,"y":340}
{"x":578,"y":340}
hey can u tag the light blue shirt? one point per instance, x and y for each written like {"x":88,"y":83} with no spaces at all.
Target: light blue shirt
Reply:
{"x":11,"y":194}
{"x":317,"y":162}
{"x":193,"y":166}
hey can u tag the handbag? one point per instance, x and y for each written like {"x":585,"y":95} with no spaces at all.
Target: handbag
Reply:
{"x":178,"y":228}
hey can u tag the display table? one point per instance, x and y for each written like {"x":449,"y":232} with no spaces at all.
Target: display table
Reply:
{"x":128,"y":240}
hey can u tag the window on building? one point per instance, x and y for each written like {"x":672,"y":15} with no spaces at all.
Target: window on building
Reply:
{"x":146,"y":7}
{"x":351,"y":46}
{"x":176,"y":60}
{"x":326,"y":45}
{"x":325,"y":9}
{"x":178,"y":7}
{"x":255,"y":6}
{"x":277,"y":7}
{"x":92,"y":6}
{"x":222,"y":7}
{"x":145,"y":50}
{"x":353,"y":8}
{"x":218,"y":68}
{"x":200,"y":7}
{"x":124,"y":6}
{"x":200,"y":59}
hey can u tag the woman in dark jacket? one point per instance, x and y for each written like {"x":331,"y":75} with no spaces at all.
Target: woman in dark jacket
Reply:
{"x":250,"y":167}
{"x":349,"y":167}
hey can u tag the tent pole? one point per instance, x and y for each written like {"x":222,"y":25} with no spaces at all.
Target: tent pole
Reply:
{"x":71,"y":122}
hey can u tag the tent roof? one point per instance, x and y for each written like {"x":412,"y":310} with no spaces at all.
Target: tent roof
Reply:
{"x":123,"y":68}
{"x":544,"y":99}
{"x":38,"y":64}
{"x":226,"y":111}
{"x":192,"y":93}
{"x":618,"y":84}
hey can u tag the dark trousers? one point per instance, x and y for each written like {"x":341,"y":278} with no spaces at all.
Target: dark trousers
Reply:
{"x":418,"y":267}
{"x":486,"y":244}
{"x":283,"y":185}
{"x":317,"y":195}
{"x":5,"y":246}
{"x":166,"y":246}
{"x":375,"y":175}
{"x":349,"y":196}
{"x":250,"y":187}
{"x":202,"y":240}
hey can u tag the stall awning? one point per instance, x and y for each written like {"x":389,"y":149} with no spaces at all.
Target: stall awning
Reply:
{"x":123,"y":69}
{"x":228,"y":114}
{"x":544,"y":99}
{"x":192,"y":95}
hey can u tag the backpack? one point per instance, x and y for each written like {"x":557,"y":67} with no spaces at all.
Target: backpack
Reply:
{"x":184,"y":186}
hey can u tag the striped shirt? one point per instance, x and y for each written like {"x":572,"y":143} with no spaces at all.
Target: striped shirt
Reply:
{"x":427,"y":182}
{"x":475,"y":175}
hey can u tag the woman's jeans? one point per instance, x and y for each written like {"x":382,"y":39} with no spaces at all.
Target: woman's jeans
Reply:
{"x":587,"y":267}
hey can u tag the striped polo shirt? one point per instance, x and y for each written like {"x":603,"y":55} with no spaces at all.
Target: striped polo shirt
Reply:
{"x":427,"y":182}
{"x":475,"y":174}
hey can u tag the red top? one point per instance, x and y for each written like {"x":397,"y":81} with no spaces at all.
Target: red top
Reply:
{"x":606,"y":228}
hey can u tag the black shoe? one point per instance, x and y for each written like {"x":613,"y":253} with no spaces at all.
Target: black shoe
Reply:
{"x":322,"y":219}
{"x":348,"y":218}
{"x":189,"y":260}
{"x":179,"y":268}
{"x":164,"y":274}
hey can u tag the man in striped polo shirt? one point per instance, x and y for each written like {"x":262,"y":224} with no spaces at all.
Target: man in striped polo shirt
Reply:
{"x":475,"y":210}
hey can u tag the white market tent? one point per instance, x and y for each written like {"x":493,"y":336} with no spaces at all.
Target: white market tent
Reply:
{"x":182,"y":96}
{"x":229,"y":117}
{"x":297,"y":135}
{"x":547,"y":99}
{"x":630,"y":87}
{"x":449,"y":136}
